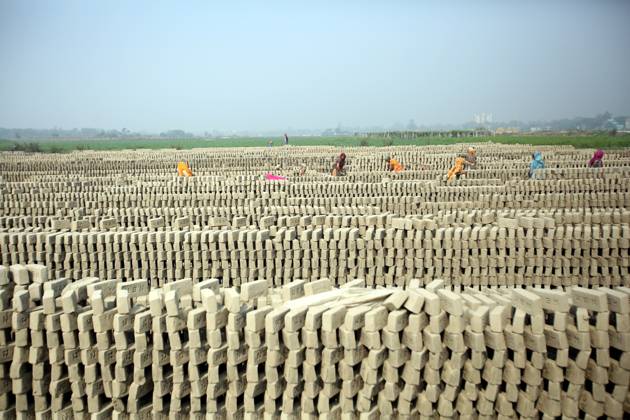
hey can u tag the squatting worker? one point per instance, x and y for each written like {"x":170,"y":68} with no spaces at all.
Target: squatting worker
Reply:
{"x":536,"y":165}
{"x":183,"y":169}
{"x":339,"y":164}
{"x":457,"y":170}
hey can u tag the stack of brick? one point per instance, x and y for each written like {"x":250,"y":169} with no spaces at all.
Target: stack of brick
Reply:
{"x":94,"y":339}
{"x":204,"y":296}
{"x":53,"y":311}
{"x":216,"y":331}
{"x":130,"y":301}
{"x":28,"y":369}
{"x":236,"y":353}
{"x":80,"y":355}
{"x":7,"y":342}
{"x":103,"y":302}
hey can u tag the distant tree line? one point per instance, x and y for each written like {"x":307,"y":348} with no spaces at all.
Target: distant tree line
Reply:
{"x":22,"y":134}
{"x":422,"y":134}
{"x":178,"y":134}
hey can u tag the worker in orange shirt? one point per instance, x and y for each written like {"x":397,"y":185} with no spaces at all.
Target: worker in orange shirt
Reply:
{"x":457,"y":170}
{"x":183,"y":169}
{"x":394,"y":165}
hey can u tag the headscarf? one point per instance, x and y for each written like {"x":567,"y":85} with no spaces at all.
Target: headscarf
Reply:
{"x":537,"y":162}
{"x":341,"y":160}
{"x":339,"y":164}
{"x":598,"y":155}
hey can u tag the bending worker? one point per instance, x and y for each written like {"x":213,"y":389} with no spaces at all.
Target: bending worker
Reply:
{"x":471,"y":158}
{"x":394,"y":165}
{"x":339,"y":164}
{"x":596,"y":161}
{"x":457,"y":170}
{"x":183,"y":169}
{"x":536,"y":164}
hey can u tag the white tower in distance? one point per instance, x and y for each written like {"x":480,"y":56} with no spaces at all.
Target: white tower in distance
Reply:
{"x":482,"y":118}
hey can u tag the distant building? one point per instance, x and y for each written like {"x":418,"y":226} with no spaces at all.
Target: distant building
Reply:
{"x":507,"y":130}
{"x":482,"y":118}
{"x":613,"y":124}
{"x":628,"y":123}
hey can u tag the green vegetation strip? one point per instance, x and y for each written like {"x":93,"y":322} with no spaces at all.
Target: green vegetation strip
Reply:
{"x":603,"y":141}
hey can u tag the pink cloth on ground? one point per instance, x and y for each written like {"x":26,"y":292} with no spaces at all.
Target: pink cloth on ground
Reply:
{"x":598,"y":155}
{"x":271,"y":177}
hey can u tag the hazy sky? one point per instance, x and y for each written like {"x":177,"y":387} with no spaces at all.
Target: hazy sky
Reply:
{"x":200,"y":65}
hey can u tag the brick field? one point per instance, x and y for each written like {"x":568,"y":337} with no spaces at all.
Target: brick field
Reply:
{"x":128,"y":292}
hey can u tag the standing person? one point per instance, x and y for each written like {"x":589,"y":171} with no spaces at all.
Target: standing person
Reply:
{"x":457,"y":170}
{"x":269,"y":144}
{"x":471,"y":158}
{"x":339,"y":164}
{"x":535,"y":165}
{"x":286,"y":139}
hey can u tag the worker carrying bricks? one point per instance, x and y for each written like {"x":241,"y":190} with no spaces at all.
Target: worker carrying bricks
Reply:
{"x":183,"y":169}
{"x":339,"y":165}
{"x":394,"y":165}
{"x":536,"y":165}
{"x":457,"y":170}
{"x":471,"y":158}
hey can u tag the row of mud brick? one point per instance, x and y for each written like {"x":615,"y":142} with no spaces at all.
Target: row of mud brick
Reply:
{"x":403,"y":205}
{"x":318,"y":159}
{"x":100,"y":349}
{"x":199,"y":218}
{"x":482,"y":175}
{"x":253,"y":187}
{"x":485,"y":248}
{"x":399,"y":196}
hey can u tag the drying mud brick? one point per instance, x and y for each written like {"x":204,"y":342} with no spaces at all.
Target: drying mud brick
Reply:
{"x":128,"y":292}
{"x":179,"y":350}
